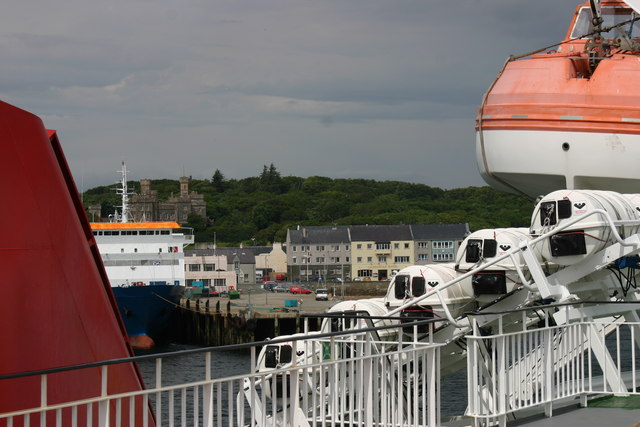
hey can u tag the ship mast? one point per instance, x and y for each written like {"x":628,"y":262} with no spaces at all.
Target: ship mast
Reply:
{"x":124,"y":193}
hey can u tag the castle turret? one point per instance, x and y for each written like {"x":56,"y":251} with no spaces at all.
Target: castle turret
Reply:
{"x":184,"y":186}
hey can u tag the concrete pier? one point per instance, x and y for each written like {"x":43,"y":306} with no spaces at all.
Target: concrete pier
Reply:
{"x":252,"y":317}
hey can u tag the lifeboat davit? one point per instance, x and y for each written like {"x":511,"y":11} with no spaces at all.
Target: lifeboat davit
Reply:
{"x":568,"y":116}
{"x":591,"y":232}
{"x":484,"y":246}
{"x":416,"y":280}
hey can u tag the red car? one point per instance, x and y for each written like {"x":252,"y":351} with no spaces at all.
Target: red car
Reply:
{"x":299,"y":290}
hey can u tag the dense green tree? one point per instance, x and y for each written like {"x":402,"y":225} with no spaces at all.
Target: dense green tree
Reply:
{"x":264,"y":207}
{"x":218,"y":181}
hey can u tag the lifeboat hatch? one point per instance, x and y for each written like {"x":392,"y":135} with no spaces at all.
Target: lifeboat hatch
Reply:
{"x":551,"y":212}
{"x":565,"y":244}
{"x":477,"y":249}
{"x":406,"y":286}
{"x":489,"y":283}
{"x":400,"y":291}
{"x":415,"y":313}
{"x":277,"y":354}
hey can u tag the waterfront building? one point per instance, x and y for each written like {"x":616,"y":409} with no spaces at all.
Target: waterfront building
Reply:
{"x":319,"y":253}
{"x":368,"y":252}
{"x":435,"y":243}
{"x":210,"y":268}
{"x":271,"y":261}
{"x":380,"y":250}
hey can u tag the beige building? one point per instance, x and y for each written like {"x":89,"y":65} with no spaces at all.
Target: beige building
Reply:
{"x":378,"y":251}
{"x":270,"y":260}
{"x":210,"y":269}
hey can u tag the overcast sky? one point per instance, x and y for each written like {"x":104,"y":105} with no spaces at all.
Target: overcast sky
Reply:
{"x":339,"y":88}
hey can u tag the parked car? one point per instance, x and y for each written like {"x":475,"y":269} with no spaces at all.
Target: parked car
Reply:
{"x":281,"y":287}
{"x":268,"y":286}
{"x":322,"y":295}
{"x":300,"y":290}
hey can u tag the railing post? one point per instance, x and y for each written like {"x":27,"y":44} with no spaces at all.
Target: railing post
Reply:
{"x":367,"y":379}
{"x":103,"y":406}
{"x":43,"y":398}
{"x":207,"y":393}
{"x":548,"y":372}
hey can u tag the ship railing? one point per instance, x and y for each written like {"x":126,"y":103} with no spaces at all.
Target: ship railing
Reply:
{"x":355,"y":380}
{"x":514,"y":369}
{"x":186,"y":235}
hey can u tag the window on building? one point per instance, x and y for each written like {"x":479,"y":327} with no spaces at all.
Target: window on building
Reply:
{"x":293,"y":248}
{"x":293,"y":260}
{"x":365,"y":273}
{"x":337,"y":259}
{"x":347,"y":259}
{"x":332,"y":259}
{"x":121,"y":250}
{"x":443,"y":245}
{"x":382,"y":258}
{"x":368,"y":245}
{"x":396,"y":245}
{"x":220,"y":282}
{"x":359,"y":246}
{"x":369,"y":259}
{"x":209,"y":267}
{"x":359,"y":259}
{"x":245,"y":277}
{"x":406,"y":246}
{"x":236,"y":265}
{"x":304,"y":260}
{"x":383,"y":245}
{"x":346,"y":248}
{"x":443,"y":257}
{"x":194,"y":267}
{"x":423,"y":245}
{"x":423,"y":257}
{"x":401,"y":259}
{"x":206,"y":282}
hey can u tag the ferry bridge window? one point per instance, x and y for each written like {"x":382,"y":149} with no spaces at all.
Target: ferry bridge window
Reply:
{"x":610,"y":16}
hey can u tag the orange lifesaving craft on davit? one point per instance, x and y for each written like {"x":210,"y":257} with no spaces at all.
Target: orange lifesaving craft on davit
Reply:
{"x":568,"y":116}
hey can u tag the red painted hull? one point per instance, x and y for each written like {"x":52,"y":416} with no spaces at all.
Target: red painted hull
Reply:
{"x":58,"y":309}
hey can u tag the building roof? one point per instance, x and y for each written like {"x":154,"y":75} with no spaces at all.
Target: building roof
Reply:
{"x":319,"y":234}
{"x":244,"y":255}
{"x":380,"y":233}
{"x":257,"y":250}
{"x":440,"y":231}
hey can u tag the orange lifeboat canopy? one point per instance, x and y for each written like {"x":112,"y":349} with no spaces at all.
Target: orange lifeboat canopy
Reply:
{"x":567,"y":117}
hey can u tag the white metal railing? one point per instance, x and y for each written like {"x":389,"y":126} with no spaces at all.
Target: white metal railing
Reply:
{"x":509,"y":372}
{"x":354,"y":380}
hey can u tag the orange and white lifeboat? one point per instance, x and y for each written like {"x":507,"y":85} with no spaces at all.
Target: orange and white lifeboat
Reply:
{"x":568,"y":117}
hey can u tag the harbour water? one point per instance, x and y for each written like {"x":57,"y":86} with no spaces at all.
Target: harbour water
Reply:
{"x":191,"y":367}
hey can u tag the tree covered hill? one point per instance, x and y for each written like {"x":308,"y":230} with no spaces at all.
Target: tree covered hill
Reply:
{"x":265,"y":206}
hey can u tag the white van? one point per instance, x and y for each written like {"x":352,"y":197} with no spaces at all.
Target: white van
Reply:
{"x":322,"y":295}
